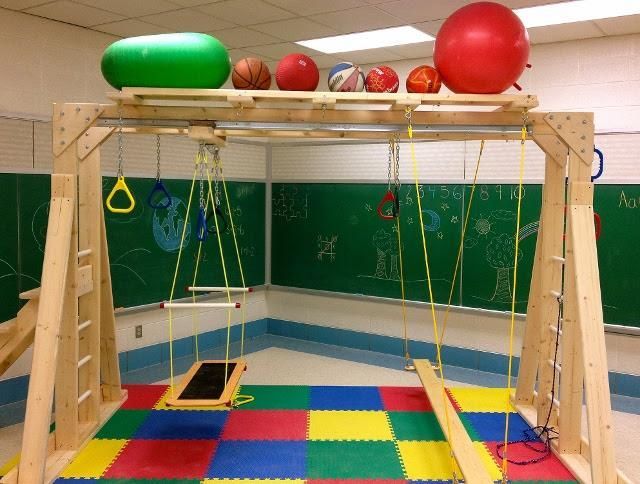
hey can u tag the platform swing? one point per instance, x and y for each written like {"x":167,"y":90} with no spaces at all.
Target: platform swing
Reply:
{"x":208,"y":382}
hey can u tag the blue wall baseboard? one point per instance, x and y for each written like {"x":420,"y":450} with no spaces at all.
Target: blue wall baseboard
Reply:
{"x":15,"y":389}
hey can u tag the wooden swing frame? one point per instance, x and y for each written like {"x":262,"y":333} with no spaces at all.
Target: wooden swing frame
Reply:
{"x":75,"y":349}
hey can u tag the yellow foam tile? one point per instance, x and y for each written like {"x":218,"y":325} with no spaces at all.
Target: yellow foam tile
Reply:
{"x":482,"y":399}
{"x":94,"y":459}
{"x":162,"y":404}
{"x":432,"y":460}
{"x":348,"y":425}
{"x":10,"y":464}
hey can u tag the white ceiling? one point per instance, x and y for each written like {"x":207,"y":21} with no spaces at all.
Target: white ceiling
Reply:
{"x":268,"y":28}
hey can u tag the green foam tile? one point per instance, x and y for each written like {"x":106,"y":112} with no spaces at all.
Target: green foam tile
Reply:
{"x":147,"y":481}
{"x":415,"y":426}
{"x":353,"y":460}
{"x":123,"y":424}
{"x":276,"y":397}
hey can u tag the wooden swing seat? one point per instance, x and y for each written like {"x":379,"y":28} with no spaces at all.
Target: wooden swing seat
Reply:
{"x":204,"y":386}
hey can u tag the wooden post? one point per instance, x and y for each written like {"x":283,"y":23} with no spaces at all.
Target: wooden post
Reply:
{"x":50,"y":313}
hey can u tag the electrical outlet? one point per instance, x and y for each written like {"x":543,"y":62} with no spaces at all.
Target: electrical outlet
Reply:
{"x":139,"y":331}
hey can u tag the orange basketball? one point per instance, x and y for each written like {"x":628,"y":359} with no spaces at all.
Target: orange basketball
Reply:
{"x":251,"y":73}
{"x":424,"y":79}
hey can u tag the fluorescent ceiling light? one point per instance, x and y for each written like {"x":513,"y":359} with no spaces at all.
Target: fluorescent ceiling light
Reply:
{"x":372,"y":39}
{"x":576,"y":11}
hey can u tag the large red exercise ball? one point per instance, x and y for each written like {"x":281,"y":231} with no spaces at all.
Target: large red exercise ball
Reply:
{"x":297,"y":72}
{"x":424,"y":79}
{"x":187,"y":60}
{"x":382,"y":79}
{"x":481,"y":48}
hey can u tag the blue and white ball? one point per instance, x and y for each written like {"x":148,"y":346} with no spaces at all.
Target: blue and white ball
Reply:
{"x":346,"y":77}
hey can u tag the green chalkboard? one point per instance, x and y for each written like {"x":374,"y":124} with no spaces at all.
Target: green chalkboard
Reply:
{"x":328,"y":236}
{"x":142,"y":245}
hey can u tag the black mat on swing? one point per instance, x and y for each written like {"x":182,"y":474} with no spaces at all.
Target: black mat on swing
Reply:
{"x":208,"y":382}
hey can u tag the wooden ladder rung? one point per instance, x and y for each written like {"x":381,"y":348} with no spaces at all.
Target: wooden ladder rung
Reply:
{"x":555,"y":294}
{"x":30,"y":294}
{"x":555,"y":329}
{"x":84,"y":325}
{"x":554,"y":401}
{"x":552,"y":364}
{"x":84,"y":253}
{"x":84,"y":396}
{"x":557,"y":258}
{"x":84,"y":361}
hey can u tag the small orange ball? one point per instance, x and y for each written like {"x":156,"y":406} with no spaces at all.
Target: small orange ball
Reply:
{"x":424,"y":79}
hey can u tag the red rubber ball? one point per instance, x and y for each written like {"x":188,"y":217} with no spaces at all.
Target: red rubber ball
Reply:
{"x":297,"y":72}
{"x":481,"y":48}
{"x":382,"y":79}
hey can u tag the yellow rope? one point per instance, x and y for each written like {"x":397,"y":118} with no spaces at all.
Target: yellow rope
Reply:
{"x":432,"y":304}
{"x":523,"y":138}
{"x":196,"y":314}
{"x":198,"y":160}
{"x":226,"y":279}
{"x":464,"y":231}
{"x":235,"y":242}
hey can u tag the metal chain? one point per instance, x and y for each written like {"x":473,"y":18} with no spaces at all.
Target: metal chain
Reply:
{"x":201,"y":161}
{"x":216,"y":174}
{"x":397,"y":167}
{"x":389,"y":163}
{"x":120,"y":141}
{"x":158,"y":157}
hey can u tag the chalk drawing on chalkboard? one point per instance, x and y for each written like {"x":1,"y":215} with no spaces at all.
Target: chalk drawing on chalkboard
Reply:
{"x":327,"y":247}
{"x":454,"y":219}
{"x":445,"y":207}
{"x":39,"y":222}
{"x":368,"y":207}
{"x":500,"y":254}
{"x":482,"y":227}
{"x":432,"y":224}
{"x":528,"y":230}
{"x":290,"y":205}
{"x":117,"y":262}
{"x":168,"y":225}
{"x":14,"y":273}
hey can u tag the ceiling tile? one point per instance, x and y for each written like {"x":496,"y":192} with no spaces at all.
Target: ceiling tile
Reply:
{"x":74,"y":13}
{"x":237,"y":54}
{"x":564,"y":32}
{"x":421,"y":50}
{"x":21,"y":4}
{"x":306,"y":8}
{"x":325,"y":61}
{"x":412,"y":11}
{"x":242,"y":37}
{"x":370,"y":56}
{"x":430,"y":27}
{"x":129,"y":8}
{"x":278,"y":51}
{"x":245,"y":12}
{"x":187,"y":20}
{"x":357,"y":19}
{"x":193,"y":3}
{"x":295,"y":29}
{"x":131,"y":28}
{"x":620,"y":25}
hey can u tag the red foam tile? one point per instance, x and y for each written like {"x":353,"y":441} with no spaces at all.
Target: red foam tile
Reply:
{"x":266,"y":425}
{"x":405,"y":399}
{"x":356,"y":481}
{"x":143,"y":397}
{"x":163,"y":459}
{"x":550,"y":468}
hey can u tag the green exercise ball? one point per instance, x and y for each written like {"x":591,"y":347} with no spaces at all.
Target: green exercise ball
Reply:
{"x":184,"y":60}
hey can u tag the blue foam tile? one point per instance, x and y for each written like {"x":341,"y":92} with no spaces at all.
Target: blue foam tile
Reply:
{"x":259,"y":460}
{"x":345,"y":398}
{"x":489,"y":427}
{"x":141,"y":357}
{"x":182,"y":424}
{"x":63,"y":480}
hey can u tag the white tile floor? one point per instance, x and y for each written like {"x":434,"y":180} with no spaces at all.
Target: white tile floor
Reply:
{"x":278,"y":366}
